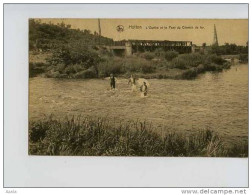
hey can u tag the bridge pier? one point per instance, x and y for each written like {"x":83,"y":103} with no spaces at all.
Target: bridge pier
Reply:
{"x":128,"y":48}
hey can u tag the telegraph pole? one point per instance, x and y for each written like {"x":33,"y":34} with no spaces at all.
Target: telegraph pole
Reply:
{"x":99,"y":26}
{"x":215,"y":39}
{"x":99,"y":30}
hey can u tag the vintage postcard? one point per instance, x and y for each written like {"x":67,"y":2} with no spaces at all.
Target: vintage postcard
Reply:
{"x":138,"y":87}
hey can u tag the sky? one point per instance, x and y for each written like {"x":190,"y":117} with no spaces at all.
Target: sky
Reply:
{"x":196,"y":30}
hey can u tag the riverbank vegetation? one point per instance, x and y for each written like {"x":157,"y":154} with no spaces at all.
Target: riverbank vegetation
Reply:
{"x":99,"y":137}
{"x":77,"y":61}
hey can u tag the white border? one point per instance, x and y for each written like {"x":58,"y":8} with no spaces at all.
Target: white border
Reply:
{"x":21,"y":170}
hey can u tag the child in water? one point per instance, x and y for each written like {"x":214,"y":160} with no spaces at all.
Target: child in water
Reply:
{"x":132,"y":81}
{"x":144,"y":89}
{"x":112,"y":81}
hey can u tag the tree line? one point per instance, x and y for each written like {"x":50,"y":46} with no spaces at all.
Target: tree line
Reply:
{"x":48,"y":36}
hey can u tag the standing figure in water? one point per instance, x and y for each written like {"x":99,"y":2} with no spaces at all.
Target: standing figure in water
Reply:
{"x":132,"y":82}
{"x":112,"y":81}
{"x":144,"y":90}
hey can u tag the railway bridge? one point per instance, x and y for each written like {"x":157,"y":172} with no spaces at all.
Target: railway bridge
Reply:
{"x":130,"y":47}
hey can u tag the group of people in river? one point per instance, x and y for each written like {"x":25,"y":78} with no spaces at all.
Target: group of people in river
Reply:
{"x":133,"y":82}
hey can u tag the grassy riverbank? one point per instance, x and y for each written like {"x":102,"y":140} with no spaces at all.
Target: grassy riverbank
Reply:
{"x":100,"y":137}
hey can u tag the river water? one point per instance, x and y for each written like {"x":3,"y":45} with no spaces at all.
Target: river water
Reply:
{"x":217,"y":101}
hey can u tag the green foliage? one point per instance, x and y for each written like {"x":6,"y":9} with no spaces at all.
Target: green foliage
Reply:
{"x":52,"y":36}
{"x":190,"y":73}
{"x":86,"y":74}
{"x":110,"y":65}
{"x":36,"y":68}
{"x":149,"y":55}
{"x":210,"y":67}
{"x":118,"y":65}
{"x":186,"y":61}
{"x":147,"y":68}
{"x":228,"y":49}
{"x":135,"y":64}
{"x":100,"y":137}
{"x":75,"y":53}
{"x":213,"y":58}
{"x":170,"y":55}
{"x":179,"y":63}
{"x":74,"y":60}
{"x":38,"y":131}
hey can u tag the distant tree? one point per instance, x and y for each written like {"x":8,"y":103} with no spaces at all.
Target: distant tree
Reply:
{"x":169,"y":55}
{"x":228,"y":49}
{"x":215,"y":49}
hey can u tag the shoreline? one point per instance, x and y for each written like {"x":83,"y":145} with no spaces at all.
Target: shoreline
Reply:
{"x":178,"y":75}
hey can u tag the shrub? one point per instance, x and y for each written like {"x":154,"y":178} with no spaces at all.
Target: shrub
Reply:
{"x":123,"y":65}
{"x":134,"y":64}
{"x":86,"y":74}
{"x":190,"y":73}
{"x":36,"y":68}
{"x":55,"y":74}
{"x":179,"y":63}
{"x":226,"y":65}
{"x":147,"y":68}
{"x":210,"y":67}
{"x":38,"y":131}
{"x":193,"y":59}
{"x":213,"y":58}
{"x":70,"y":69}
{"x":200,"y":68}
{"x":170,"y":55}
{"x":75,"y":53}
{"x":188,"y":60}
{"x":149,"y":56}
{"x":110,"y":65}
{"x":60,"y":68}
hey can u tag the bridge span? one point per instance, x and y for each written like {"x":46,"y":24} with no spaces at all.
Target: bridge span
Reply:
{"x":130,"y":47}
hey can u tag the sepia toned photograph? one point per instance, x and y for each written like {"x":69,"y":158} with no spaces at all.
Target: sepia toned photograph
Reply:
{"x":138,"y":87}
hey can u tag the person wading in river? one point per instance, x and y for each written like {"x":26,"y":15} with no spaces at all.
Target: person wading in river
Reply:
{"x":144,"y":89}
{"x":132,"y":81}
{"x":112,"y":81}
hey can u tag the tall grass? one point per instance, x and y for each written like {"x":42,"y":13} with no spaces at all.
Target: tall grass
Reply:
{"x":99,"y":137}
